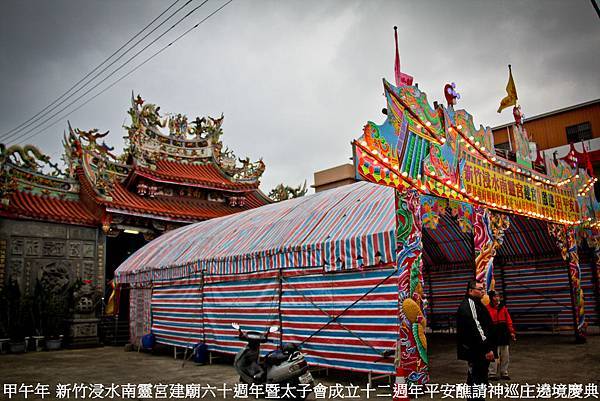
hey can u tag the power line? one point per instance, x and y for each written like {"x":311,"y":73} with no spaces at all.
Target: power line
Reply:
{"x":60,"y":119}
{"x":46,"y":119}
{"x":91,"y":72}
{"x":595,"y":5}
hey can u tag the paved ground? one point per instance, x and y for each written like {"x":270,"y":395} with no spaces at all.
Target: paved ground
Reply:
{"x":534,"y":359}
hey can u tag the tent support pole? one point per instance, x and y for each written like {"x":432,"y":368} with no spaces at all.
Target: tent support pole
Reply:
{"x":595,"y":267}
{"x":573,"y":307}
{"x":280,"y":282}
{"x":202,"y":305}
{"x":503,"y":278}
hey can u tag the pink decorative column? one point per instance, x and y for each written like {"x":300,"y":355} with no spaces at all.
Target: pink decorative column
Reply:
{"x":411,"y":349}
{"x":566,"y":242}
{"x":488,"y":236}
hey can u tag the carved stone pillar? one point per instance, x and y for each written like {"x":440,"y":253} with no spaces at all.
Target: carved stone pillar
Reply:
{"x":83,"y":327}
{"x":411,"y":349}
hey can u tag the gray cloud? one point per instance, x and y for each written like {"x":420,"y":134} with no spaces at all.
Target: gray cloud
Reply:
{"x":297,"y":80}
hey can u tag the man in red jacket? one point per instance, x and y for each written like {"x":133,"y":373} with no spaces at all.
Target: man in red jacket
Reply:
{"x":503,"y":332}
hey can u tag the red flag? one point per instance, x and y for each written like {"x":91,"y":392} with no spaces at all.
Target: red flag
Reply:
{"x":397,"y":63}
{"x":401,"y":79}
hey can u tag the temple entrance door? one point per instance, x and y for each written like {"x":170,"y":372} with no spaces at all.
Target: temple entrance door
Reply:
{"x":120,"y":248}
{"x":115,"y":329}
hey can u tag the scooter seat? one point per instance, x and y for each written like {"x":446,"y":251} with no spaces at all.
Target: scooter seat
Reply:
{"x":275,"y":358}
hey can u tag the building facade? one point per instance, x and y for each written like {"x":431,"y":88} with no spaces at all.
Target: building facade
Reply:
{"x":83,"y":220}
{"x":570,"y":133}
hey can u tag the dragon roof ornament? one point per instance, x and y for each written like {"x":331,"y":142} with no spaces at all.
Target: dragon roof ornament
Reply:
{"x":26,"y":168}
{"x":152,"y":137}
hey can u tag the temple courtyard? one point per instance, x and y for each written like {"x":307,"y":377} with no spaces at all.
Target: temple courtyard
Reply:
{"x":535,"y":359}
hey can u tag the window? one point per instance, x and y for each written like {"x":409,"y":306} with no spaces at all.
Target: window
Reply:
{"x":579,"y":132}
{"x":503,"y":145}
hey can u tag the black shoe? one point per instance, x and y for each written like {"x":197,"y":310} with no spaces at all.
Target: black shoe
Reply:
{"x":505,"y":377}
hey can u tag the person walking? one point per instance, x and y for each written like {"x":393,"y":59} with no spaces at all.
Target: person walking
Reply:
{"x":473,"y":335}
{"x":503,"y":332}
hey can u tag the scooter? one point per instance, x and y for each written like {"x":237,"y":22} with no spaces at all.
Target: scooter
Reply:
{"x":286,"y":367}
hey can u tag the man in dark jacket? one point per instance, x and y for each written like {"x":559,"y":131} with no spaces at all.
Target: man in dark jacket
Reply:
{"x":473,"y":330}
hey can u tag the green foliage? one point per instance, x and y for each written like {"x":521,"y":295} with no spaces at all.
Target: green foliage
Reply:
{"x":283,"y":192}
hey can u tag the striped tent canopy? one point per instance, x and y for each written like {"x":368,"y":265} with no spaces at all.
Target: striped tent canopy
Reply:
{"x":341,"y":229}
{"x":527,"y":238}
{"x":447,"y":245}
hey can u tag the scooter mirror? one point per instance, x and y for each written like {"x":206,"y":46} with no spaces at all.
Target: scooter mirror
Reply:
{"x":273,"y":329}
{"x":235,"y":325}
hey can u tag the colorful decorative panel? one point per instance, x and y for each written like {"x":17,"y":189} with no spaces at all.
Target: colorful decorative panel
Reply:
{"x":439,"y":151}
{"x":140,"y":317}
{"x":411,"y":351}
{"x":566,"y":241}
{"x":488,"y":237}
{"x":492,"y":185}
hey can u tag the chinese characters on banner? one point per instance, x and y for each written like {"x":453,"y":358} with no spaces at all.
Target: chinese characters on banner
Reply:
{"x":514,"y":191}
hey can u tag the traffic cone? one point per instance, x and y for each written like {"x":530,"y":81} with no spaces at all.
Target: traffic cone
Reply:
{"x":400,"y":379}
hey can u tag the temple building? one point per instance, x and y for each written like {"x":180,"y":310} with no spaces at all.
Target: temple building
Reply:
{"x":81,"y":221}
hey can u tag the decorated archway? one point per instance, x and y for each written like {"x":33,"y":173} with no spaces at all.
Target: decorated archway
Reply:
{"x":440,"y":164}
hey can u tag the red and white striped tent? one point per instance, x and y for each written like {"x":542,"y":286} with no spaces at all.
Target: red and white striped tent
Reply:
{"x":321,"y":266}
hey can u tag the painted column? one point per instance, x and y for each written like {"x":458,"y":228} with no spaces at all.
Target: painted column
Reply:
{"x":594,"y":243}
{"x":488,"y":236}
{"x":565,"y":240}
{"x":411,"y":349}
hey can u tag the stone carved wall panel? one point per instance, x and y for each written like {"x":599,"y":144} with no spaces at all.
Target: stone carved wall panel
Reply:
{"x":53,"y":248}
{"x":30,"y":246}
{"x":2,"y":261}
{"x":33,"y":247}
{"x":82,"y":233}
{"x":16,"y":246}
{"x":15,"y":268}
{"x":88,"y":249}
{"x":77,"y":267}
{"x":75,"y":251}
{"x":84,"y":330}
{"x":88,"y":271}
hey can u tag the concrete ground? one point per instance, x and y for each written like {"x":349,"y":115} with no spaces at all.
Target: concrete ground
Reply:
{"x":534,"y":359}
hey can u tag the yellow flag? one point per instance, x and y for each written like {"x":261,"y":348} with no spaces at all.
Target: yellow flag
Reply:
{"x":511,"y":90}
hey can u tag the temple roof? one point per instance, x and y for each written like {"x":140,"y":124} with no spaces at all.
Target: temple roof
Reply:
{"x":177,"y":208}
{"x":182,"y":175}
{"x":202,"y":175}
{"x":28,"y":205}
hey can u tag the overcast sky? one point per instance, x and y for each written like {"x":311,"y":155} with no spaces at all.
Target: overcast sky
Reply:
{"x":296,"y":80}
